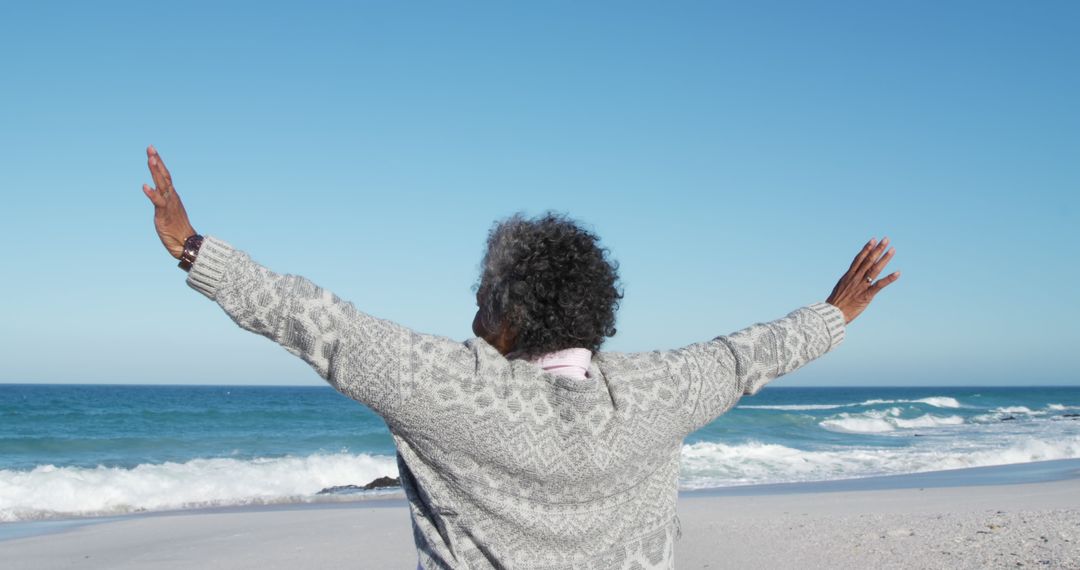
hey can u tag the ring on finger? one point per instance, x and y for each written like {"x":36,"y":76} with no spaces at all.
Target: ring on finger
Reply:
{"x":869,"y":280}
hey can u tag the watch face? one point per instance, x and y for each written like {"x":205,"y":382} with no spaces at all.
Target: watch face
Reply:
{"x":191,"y":249}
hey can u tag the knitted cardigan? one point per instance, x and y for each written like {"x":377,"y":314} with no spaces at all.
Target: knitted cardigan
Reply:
{"x":505,"y":465}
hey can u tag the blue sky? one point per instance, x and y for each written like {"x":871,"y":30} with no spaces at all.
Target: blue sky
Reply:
{"x":732,"y":157}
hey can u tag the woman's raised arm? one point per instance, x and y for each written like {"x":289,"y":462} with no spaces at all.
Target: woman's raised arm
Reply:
{"x":370,"y":360}
{"x":722,"y":370}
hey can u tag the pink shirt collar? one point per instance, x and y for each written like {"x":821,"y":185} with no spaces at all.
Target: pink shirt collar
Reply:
{"x":572,"y":362}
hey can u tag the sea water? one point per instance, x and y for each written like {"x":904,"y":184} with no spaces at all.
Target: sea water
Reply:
{"x":82,"y":450}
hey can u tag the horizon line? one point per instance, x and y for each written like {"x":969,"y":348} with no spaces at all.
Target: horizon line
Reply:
{"x":327,"y":385}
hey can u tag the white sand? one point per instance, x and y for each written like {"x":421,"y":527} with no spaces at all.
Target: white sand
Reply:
{"x":1003,"y":526}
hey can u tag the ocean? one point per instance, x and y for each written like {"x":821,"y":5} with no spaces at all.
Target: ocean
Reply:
{"x":93,"y":450}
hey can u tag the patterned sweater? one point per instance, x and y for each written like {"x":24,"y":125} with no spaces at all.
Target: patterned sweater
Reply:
{"x":505,"y":465}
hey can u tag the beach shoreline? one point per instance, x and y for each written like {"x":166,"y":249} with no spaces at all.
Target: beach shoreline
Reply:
{"x":986,"y":516}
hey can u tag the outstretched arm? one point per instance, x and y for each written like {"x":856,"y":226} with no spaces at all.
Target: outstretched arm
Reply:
{"x":722,"y":370}
{"x":361,"y":356}
{"x":365,"y":358}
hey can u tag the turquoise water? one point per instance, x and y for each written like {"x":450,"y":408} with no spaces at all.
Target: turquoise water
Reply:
{"x":73,"y":450}
{"x":126,"y":426}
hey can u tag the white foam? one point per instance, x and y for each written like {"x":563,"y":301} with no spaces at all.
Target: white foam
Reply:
{"x":1024,"y":451}
{"x":712,"y":464}
{"x":1057,"y":407}
{"x":935,"y":401}
{"x":1012,"y":410}
{"x":928,"y":421}
{"x":873,"y":421}
{"x":49,"y":491}
{"x":797,"y":407}
{"x":939,"y":402}
{"x":882,"y":421}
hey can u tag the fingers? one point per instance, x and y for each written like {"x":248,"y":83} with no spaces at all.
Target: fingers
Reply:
{"x":155,"y":197}
{"x":162,"y":168}
{"x":881,"y":284}
{"x":877,"y":267}
{"x":873,"y":257}
{"x":162,"y":178}
{"x":862,"y":254}
{"x":163,"y":190}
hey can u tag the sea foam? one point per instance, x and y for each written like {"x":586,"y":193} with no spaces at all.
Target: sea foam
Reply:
{"x":48,"y":491}
{"x":711,"y":464}
{"x":881,"y":421}
{"x":1018,"y":410}
{"x":935,"y":401}
{"x":796,"y":407}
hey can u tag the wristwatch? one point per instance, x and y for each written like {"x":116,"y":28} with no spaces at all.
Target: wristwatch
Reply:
{"x":191,"y":249}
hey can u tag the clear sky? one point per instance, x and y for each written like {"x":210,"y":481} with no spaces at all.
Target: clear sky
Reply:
{"x":733,"y":157}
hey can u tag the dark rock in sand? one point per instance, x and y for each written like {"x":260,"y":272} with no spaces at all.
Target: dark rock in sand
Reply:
{"x":383,"y":482}
{"x":380,"y":483}
{"x":340,"y":490}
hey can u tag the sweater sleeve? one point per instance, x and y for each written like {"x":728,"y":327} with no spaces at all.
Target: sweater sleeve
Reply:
{"x":720,"y":371}
{"x":366,"y":358}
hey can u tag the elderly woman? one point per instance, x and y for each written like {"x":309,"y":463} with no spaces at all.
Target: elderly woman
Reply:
{"x":525,"y":447}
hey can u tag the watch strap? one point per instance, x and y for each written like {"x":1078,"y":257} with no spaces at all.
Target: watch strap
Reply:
{"x":191,"y":251}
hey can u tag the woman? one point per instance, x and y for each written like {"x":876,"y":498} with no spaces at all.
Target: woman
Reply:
{"x":524,"y":447}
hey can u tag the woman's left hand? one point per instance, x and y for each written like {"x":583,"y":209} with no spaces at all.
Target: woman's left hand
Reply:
{"x":858,"y":287}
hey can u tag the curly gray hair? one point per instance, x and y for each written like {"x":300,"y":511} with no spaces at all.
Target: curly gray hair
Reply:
{"x":549,"y":281}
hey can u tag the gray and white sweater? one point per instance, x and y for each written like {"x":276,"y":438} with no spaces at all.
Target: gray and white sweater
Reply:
{"x":505,"y":465}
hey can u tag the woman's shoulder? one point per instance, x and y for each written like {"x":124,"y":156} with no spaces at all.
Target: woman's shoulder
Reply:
{"x":619,"y":363}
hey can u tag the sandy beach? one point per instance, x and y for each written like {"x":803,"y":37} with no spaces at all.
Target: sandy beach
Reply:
{"x":915,"y":521}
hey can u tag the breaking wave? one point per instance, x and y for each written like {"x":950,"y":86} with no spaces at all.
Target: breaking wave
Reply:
{"x":797,"y":407}
{"x":48,"y":491}
{"x":935,"y":401}
{"x":881,"y":421}
{"x":712,"y":464}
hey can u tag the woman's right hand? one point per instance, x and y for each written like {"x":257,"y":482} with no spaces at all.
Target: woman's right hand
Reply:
{"x":170,"y":218}
{"x":858,"y":287}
